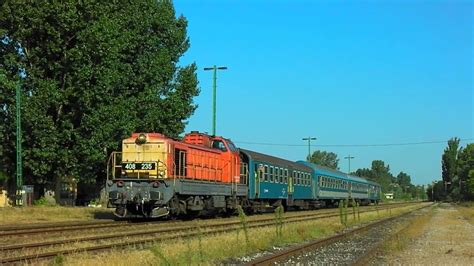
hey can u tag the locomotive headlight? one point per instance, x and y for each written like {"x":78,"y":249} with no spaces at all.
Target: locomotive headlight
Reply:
{"x":141,"y":139}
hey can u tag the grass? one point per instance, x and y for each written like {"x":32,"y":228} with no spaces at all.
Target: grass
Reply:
{"x":220,"y":248}
{"x":35,"y":214}
{"x":467,"y":211}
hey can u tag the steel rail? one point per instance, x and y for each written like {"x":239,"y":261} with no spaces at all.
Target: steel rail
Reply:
{"x":279,"y":256}
{"x":76,"y":226}
{"x":170,"y":230}
{"x":188,"y":233}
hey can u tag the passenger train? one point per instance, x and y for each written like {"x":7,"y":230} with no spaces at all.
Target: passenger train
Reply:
{"x":156,"y":176}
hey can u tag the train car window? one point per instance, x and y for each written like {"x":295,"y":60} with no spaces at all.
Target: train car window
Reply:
{"x":277,"y":175}
{"x":266,"y":173}
{"x":280,"y":175}
{"x":271,"y":173}
{"x":286,"y":176}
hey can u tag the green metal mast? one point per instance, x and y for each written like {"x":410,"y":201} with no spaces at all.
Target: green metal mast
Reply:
{"x":19,"y":168}
{"x":349,"y":157}
{"x":214,"y":92}
{"x":309,"y":139}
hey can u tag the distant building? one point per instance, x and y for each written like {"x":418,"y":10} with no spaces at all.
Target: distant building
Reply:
{"x":389,"y":196}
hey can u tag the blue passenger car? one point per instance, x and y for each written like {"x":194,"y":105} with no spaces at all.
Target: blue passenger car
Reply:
{"x":333,"y":185}
{"x":274,"y":181}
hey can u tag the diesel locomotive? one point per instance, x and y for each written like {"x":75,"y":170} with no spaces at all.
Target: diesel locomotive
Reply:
{"x":200,"y":175}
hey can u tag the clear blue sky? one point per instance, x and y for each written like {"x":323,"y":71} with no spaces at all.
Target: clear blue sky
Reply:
{"x":356,"y":72}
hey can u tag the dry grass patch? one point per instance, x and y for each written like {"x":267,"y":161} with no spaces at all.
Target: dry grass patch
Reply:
{"x":467,"y":211}
{"x":37,"y":214}
{"x":216,"y":248}
{"x":407,"y":234}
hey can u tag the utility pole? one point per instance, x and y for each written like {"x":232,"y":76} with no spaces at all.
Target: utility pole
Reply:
{"x":309,"y":139}
{"x":349,"y":157}
{"x":19,"y":168}
{"x":446,"y":183}
{"x":214,"y":87}
{"x":432,"y":191}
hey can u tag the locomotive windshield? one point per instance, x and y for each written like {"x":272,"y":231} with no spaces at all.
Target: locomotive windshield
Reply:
{"x":231,"y":146}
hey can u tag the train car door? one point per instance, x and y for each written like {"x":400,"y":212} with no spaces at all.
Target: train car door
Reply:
{"x":290,"y":186}
{"x":258,"y":175}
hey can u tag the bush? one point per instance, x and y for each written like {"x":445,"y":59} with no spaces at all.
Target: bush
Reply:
{"x":43,"y":202}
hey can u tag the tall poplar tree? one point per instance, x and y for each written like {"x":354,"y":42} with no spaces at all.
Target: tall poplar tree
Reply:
{"x":91,"y":72}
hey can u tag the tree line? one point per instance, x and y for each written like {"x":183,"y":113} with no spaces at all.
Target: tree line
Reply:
{"x":90,"y":73}
{"x":457,"y":182}
{"x":379,"y":172}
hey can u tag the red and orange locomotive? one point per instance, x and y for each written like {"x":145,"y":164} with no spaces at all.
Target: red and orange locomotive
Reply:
{"x":158,"y":176}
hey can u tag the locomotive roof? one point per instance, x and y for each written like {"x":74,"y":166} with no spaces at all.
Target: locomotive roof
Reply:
{"x":275,"y":160}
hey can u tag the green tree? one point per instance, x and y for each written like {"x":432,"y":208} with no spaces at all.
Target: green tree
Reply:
{"x":324,"y":158}
{"x":381,"y":174}
{"x":91,"y":73}
{"x":465,"y":172}
{"x":449,"y":162}
{"x":404,"y":181}
{"x":364,"y":172}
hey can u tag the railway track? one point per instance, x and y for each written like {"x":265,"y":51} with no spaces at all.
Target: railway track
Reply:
{"x":14,"y":253}
{"x":281,"y":256}
{"x":39,"y":228}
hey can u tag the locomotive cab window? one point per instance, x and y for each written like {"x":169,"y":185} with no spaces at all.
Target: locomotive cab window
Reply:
{"x":219,"y":144}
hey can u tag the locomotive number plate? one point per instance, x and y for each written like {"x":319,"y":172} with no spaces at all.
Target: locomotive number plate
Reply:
{"x":138,"y":166}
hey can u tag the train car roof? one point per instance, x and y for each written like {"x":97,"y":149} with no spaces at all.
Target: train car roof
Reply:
{"x":323,"y":169}
{"x":357,"y":178}
{"x":333,"y":172}
{"x":275,"y":160}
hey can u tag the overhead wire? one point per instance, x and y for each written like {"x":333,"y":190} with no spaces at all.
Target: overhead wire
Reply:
{"x":351,"y":145}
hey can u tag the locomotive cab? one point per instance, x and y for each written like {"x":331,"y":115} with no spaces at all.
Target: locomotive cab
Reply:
{"x":144,"y":156}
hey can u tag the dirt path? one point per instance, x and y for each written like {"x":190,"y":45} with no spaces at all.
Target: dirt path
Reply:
{"x":448,"y":239}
